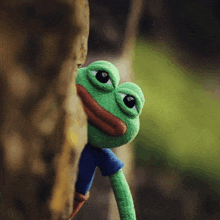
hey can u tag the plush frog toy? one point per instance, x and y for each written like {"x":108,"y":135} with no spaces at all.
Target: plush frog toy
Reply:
{"x":113,"y":120}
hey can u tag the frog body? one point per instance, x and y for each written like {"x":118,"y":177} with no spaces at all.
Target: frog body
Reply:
{"x":113,"y":120}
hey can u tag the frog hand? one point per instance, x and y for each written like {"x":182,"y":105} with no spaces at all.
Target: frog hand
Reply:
{"x":79,"y":200}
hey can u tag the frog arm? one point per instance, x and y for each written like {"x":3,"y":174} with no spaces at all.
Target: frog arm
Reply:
{"x":123,"y":196}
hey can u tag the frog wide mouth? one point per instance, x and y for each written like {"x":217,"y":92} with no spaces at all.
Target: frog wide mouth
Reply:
{"x":98,"y":116}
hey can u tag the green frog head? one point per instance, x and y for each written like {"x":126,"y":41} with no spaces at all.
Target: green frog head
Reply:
{"x":113,"y":110}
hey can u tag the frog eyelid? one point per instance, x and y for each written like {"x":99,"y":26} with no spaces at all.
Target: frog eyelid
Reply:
{"x":107,"y":67}
{"x":108,"y":82}
{"x":134,"y":90}
{"x":123,"y":95}
{"x":119,"y":94}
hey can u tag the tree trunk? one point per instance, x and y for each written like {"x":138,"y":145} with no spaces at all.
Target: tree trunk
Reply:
{"x":43,"y":127}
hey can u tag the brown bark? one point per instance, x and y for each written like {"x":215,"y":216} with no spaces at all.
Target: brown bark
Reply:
{"x":43,"y":127}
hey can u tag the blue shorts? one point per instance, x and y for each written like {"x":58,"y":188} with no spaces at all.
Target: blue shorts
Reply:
{"x":91,"y":158}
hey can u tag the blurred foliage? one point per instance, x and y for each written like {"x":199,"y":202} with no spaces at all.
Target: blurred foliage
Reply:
{"x":180,"y":121}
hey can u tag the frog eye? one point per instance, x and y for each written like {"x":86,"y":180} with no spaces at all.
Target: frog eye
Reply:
{"x":129,"y":101}
{"x":102,"y":76}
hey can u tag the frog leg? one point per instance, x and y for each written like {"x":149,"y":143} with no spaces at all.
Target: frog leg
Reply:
{"x":123,"y":196}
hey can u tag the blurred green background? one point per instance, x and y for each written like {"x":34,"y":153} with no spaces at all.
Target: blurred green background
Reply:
{"x":180,"y":119}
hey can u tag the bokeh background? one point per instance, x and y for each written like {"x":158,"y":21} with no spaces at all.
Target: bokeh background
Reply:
{"x":174,"y":54}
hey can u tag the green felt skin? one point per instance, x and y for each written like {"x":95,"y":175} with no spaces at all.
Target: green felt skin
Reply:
{"x":123,"y":196}
{"x":108,"y":96}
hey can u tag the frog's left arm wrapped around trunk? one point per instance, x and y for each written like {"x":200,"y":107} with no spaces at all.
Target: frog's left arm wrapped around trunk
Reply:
{"x":113,"y":115}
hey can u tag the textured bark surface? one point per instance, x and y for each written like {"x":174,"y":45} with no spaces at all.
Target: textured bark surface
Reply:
{"x":43,"y":127}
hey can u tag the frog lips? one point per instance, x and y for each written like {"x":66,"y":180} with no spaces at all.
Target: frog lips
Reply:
{"x":98,"y":116}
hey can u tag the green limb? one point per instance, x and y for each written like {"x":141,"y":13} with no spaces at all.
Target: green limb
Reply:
{"x":123,"y":196}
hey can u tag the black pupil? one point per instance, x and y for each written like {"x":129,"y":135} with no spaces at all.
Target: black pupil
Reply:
{"x":102,"y":76}
{"x":129,"y":101}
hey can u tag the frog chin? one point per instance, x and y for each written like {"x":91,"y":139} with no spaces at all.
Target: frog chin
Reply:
{"x":99,"y":117}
